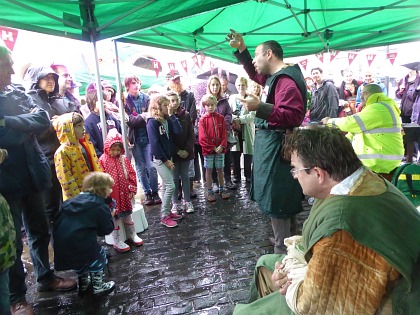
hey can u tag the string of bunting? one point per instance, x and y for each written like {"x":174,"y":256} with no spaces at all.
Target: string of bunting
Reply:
{"x":351,"y":56}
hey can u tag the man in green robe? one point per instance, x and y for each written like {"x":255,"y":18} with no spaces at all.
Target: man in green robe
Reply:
{"x":277,"y":113}
{"x":360,"y":248}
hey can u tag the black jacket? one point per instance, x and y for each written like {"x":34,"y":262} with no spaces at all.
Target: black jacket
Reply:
{"x":76,"y":226}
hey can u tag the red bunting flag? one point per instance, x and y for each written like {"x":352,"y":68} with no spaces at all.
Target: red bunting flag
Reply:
{"x":171,"y":66}
{"x":391,"y":57}
{"x":156,"y":66}
{"x":195,"y":59}
{"x":184,"y":65}
{"x":219,"y":72}
{"x":370,"y":58}
{"x":304,"y":63}
{"x":202,"y":58}
{"x":351,"y":57}
{"x":9,"y":36}
{"x":211,"y":68}
{"x":320,"y":56}
{"x":227,"y":75}
{"x":333,"y":54}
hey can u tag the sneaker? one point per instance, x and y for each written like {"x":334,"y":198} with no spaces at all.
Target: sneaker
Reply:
{"x":215,"y":188}
{"x":230,"y":185}
{"x":211,"y":197}
{"x":176,"y":208}
{"x":175,"y":216}
{"x":149,"y":199}
{"x":156,"y":198}
{"x":224,"y":194}
{"x":168,"y":222}
{"x":188,"y":206}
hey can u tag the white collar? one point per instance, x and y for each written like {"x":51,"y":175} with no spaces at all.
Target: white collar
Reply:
{"x":344,"y":187}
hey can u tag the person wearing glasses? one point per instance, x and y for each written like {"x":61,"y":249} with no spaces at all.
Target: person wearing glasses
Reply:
{"x":355,"y":255}
{"x":136,"y":106}
{"x":278,"y":112}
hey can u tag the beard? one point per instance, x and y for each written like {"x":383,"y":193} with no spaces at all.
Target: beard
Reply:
{"x":176,"y":87}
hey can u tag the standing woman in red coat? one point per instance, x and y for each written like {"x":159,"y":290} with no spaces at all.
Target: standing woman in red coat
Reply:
{"x":115,"y":163}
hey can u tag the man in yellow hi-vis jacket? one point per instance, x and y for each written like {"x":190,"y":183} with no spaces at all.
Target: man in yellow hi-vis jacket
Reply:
{"x":375,"y":132}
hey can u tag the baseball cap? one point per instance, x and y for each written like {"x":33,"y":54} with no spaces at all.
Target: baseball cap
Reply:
{"x":175,"y":75}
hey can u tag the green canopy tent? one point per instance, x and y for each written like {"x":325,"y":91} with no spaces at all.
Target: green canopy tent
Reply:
{"x":303,"y":27}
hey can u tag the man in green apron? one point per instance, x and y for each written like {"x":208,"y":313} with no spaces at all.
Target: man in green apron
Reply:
{"x":282,"y":109}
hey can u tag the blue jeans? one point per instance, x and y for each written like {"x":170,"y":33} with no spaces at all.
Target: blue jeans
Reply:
{"x":4,"y":292}
{"x":30,"y":208}
{"x":181,"y":170}
{"x":146,"y":172}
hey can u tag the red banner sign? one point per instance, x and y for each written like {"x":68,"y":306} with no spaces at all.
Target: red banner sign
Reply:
{"x":9,"y":36}
{"x":391,"y":57}
{"x":351,"y":57}
{"x":195,"y":59}
{"x":202,"y":59}
{"x":211,"y":68}
{"x":184,"y":65}
{"x":304,"y":63}
{"x":333,"y":54}
{"x":320,"y":56}
{"x":156,"y":66}
{"x":370,"y":58}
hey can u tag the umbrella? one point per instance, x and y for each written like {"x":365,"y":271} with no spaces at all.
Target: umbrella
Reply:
{"x":231,"y":80}
{"x":146,"y":62}
{"x":412,"y":65}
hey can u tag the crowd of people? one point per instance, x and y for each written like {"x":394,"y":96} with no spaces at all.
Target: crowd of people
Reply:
{"x":60,"y":177}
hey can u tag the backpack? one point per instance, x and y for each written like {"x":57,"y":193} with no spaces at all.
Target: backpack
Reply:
{"x":407,"y":179}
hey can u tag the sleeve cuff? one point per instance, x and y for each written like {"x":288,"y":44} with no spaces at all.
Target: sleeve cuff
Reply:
{"x":264,"y":110}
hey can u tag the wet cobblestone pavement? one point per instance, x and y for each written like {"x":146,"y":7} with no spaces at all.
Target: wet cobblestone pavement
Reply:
{"x":203,"y":266}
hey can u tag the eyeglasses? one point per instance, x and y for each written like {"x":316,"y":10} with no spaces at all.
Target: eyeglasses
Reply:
{"x":294,"y":171}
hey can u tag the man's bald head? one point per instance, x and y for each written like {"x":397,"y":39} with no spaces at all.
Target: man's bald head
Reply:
{"x":370,"y":89}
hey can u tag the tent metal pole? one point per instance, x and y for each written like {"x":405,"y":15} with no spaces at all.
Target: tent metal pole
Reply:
{"x":124,"y":126}
{"x":99,"y":90}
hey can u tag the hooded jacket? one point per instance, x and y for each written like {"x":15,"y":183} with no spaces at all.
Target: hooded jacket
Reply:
{"x":70,"y":164}
{"x":26,"y":169}
{"x":52,"y":103}
{"x":212,"y":133}
{"x":185,"y":140}
{"x":375,"y":133}
{"x":324,"y":102}
{"x":76,"y":226}
{"x":137,"y":132}
{"x":121,"y":170}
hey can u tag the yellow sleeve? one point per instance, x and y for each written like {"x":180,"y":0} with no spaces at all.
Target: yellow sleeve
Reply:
{"x":65,"y":175}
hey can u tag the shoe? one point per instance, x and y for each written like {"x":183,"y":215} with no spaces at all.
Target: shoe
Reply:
{"x":100,"y":287}
{"x":176,"y":208}
{"x":224,"y":194}
{"x":175,"y":216}
{"x":188,"y":206}
{"x":211,"y":197}
{"x":21,"y":308}
{"x":149,"y":199}
{"x":58,"y":284}
{"x":215,"y":188}
{"x":119,"y":243}
{"x":156,"y":198}
{"x":230,"y":185}
{"x":132,"y":236}
{"x":168,"y":222}
{"x":85,"y":284}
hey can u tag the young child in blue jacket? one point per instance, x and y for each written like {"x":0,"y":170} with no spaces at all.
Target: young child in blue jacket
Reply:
{"x":161,"y":124}
{"x":77,"y":224}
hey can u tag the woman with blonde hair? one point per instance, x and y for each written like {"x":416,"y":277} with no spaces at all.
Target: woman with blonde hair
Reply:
{"x":244,"y":130}
{"x":161,"y":125}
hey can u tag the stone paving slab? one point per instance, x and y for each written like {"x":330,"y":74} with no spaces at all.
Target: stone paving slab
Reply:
{"x":203,"y":266}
